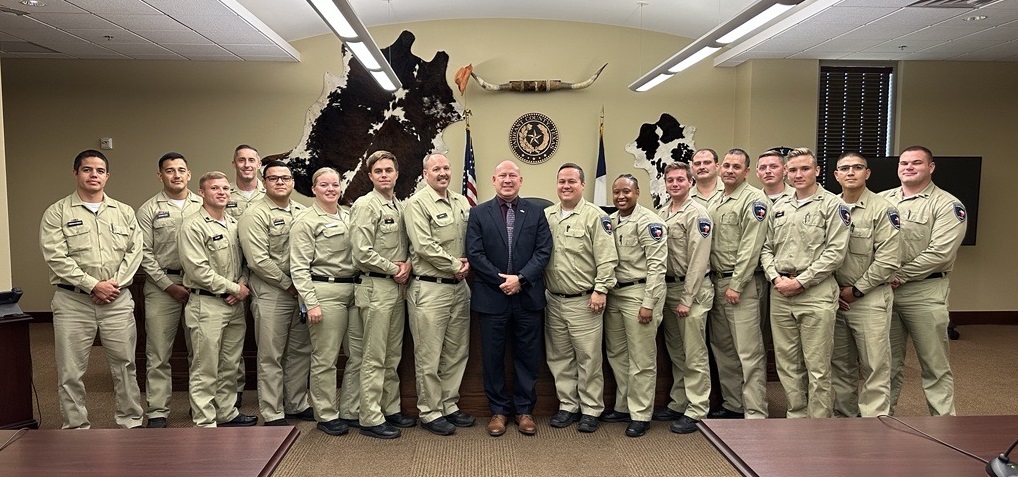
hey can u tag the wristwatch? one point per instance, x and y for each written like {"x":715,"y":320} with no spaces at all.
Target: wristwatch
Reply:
{"x":856,"y":293}
{"x":523,"y":280}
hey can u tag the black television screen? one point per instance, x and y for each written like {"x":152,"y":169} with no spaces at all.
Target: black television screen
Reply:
{"x":957,"y":175}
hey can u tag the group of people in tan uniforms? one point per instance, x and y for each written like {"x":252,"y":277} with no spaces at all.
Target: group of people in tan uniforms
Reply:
{"x":836,"y":282}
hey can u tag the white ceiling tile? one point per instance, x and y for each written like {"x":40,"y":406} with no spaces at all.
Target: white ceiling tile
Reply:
{"x":213,"y":57}
{"x":875,"y":32}
{"x":22,"y":47}
{"x":938,"y":33}
{"x":177,"y":8}
{"x":1002,"y":5}
{"x":875,"y":3}
{"x":7,"y":37}
{"x":144,"y":22}
{"x":205,"y":24}
{"x":43,"y":33}
{"x":1001,"y":33}
{"x":895,"y":46}
{"x":56,"y":56}
{"x":8,"y":22}
{"x":52,"y":6}
{"x":254,"y":50}
{"x":173,"y":57}
{"x":117,"y":6}
{"x":248,"y":35}
{"x":994,"y":18}
{"x":77,"y":48}
{"x":133,"y":49}
{"x":853,"y":15}
{"x":915,"y":18}
{"x":964,"y":45}
{"x":73,"y":20}
{"x":780,"y":43}
{"x":929,"y":55}
{"x":863,"y":55}
{"x":818,"y":55}
{"x":117,"y":35}
{"x":817,"y":28}
{"x":846,"y":44}
{"x":170,"y":37}
{"x":283,"y":57}
{"x":198,"y":50}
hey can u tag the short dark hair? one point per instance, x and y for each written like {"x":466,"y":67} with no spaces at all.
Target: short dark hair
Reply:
{"x":243,"y":146}
{"x":918,"y":148}
{"x":855,"y":155}
{"x":771,"y":153}
{"x":629,"y":177}
{"x":380,"y":155}
{"x":739,"y":152}
{"x":680,"y":166}
{"x":570,"y":165}
{"x":90,"y":153}
{"x":712,"y":152}
{"x":274,"y":163}
{"x":169,"y":156}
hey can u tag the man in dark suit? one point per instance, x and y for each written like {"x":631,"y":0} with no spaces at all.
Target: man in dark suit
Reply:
{"x":508,"y":246}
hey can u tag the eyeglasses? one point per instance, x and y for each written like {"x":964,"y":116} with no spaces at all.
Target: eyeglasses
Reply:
{"x":278,"y":178}
{"x":852,"y":167}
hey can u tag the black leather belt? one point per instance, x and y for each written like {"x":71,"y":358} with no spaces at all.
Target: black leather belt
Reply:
{"x":199,"y":291}
{"x":673,"y":279}
{"x":935,"y":275}
{"x":378,"y":275}
{"x":720,"y":275}
{"x":629,"y":284}
{"x":322,"y":278}
{"x":170,"y":271}
{"x":572,"y":295}
{"x":72,"y":288}
{"x":445,"y":281}
{"x":787,"y":275}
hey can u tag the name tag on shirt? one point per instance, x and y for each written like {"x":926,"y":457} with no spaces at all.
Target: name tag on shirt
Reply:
{"x":74,"y":223}
{"x":389,"y":220}
{"x":778,"y":214}
{"x":231,"y":204}
{"x":217,"y":237}
{"x":442,"y":215}
{"x":162,"y":214}
{"x":278,"y":221}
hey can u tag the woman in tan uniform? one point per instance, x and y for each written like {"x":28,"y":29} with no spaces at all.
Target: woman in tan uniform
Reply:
{"x":323,"y":273}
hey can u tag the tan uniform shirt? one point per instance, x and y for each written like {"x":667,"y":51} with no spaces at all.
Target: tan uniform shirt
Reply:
{"x":319,"y":245}
{"x":159,"y":220}
{"x":789,"y":190}
{"x":264,"y":232}
{"x":83,"y":248}
{"x":583,"y":255}
{"x":689,"y":240}
{"x":808,"y":240}
{"x":210,"y":254}
{"x":437,"y":229}
{"x":932,"y":227}
{"x":642,"y":243}
{"x":740,"y":227}
{"x":873,"y":245}
{"x":719,"y":188}
{"x":238,"y":203}
{"x":378,"y":234}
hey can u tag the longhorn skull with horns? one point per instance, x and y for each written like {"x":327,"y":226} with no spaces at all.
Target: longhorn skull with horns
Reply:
{"x":523,"y":86}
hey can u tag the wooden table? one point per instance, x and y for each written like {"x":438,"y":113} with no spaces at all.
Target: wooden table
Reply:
{"x":150,"y":452}
{"x":861,"y":446}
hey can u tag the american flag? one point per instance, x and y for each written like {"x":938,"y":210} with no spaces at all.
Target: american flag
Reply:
{"x":469,"y":174}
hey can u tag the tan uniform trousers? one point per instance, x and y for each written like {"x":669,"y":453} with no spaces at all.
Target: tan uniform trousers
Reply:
{"x":764,"y":298}
{"x":440,"y":324}
{"x":920,"y":311}
{"x":862,"y":344}
{"x":353,"y":345}
{"x":572,"y":336}
{"x":217,"y":342}
{"x":163,"y":316}
{"x":336,"y":301}
{"x":737,"y":342}
{"x":383,"y":312}
{"x":803,"y":330}
{"x":284,"y":351}
{"x":631,"y":347}
{"x":686,"y":342}
{"x":76,"y":320}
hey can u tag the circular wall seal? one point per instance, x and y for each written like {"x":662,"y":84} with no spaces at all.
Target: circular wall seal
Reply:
{"x":533,"y":138}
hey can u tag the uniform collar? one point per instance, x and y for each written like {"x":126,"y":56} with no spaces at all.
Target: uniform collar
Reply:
{"x":579,"y":205}
{"x":107,"y":200}
{"x":208,"y":218}
{"x":863,"y":198}
{"x":234,"y":188}
{"x":899,"y":193}
{"x":322,"y":213}
{"x":294,"y":206}
{"x":433,"y":194}
{"x":191,"y":197}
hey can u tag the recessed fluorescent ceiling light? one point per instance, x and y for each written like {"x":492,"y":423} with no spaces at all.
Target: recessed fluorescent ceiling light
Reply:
{"x":754,"y":23}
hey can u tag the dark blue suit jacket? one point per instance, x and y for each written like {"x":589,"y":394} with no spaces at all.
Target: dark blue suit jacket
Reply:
{"x":487,"y":251}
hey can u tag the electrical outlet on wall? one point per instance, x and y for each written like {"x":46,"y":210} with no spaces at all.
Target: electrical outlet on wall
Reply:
{"x":106,"y":143}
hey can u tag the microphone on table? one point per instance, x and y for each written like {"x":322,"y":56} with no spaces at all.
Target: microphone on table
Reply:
{"x":1001,"y":466}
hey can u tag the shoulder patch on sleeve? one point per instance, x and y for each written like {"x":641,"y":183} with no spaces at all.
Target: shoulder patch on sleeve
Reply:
{"x":657,"y":231}
{"x":759,"y":210}
{"x":704,"y":226}
{"x":606,"y":224}
{"x":894,"y":218}
{"x":845,"y":213}
{"x":960,"y":212}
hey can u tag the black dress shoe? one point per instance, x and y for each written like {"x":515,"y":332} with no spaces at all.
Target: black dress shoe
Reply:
{"x":156,"y":423}
{"x":277,"y":422}
{"x":440,"y":427}
{"x":240,"y":400}
{"x":242,"y":420}
{"x":334,"y":427}
{"x":354,"y":423}
{"x":587,"y":424}
{"x":684,"y":425}
{"x":305,"y":415}
{"x":637,"y":428}
{"x":381,"y":431}
{"x":723,"y":413}
{"x":615,"y":416}
{"x":460,"y":419}
{"x":563,"y":418}
{"x":666,"y":414}
{"x":401,"y":420}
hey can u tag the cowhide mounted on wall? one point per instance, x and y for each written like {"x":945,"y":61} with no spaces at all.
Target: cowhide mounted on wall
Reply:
{"x":657,"y":145}
{"x":355,"y":117}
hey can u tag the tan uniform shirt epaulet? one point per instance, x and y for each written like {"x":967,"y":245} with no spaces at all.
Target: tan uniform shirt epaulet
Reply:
{"x":583,"y":255}
{"x":740,"y":227}
{"x":642,"y":243}
{"x":238,"y":203}
{"x":689,"y":242}
{"x":808,"y":240}
{"x":160,"y":220}
{"x":437,"y":230}
{"x":933,"y":226}
{"x":378,"y":234}
{"x":873,"y":245}
{"x":83,"y":248}
{"x":719,"y":188}
{"x":210,"y":254}
{"x":319,"y":245}
{"x":264,"y":232}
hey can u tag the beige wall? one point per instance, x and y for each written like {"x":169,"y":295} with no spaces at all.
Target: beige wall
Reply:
{"x":5,"y":232}
{"x":56,"y":108}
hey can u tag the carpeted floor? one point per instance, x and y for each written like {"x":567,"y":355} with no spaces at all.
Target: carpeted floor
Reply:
{"x":983,"y":362}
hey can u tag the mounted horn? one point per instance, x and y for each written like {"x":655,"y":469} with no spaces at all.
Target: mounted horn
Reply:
{"x":536,"y":85}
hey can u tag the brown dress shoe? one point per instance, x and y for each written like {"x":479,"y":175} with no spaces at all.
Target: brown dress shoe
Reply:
{"x":496,"y":427}
{"x":526,"y":424}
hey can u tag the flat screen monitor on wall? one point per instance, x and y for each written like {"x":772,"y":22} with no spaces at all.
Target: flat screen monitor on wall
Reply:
{"x":957,"y":175}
